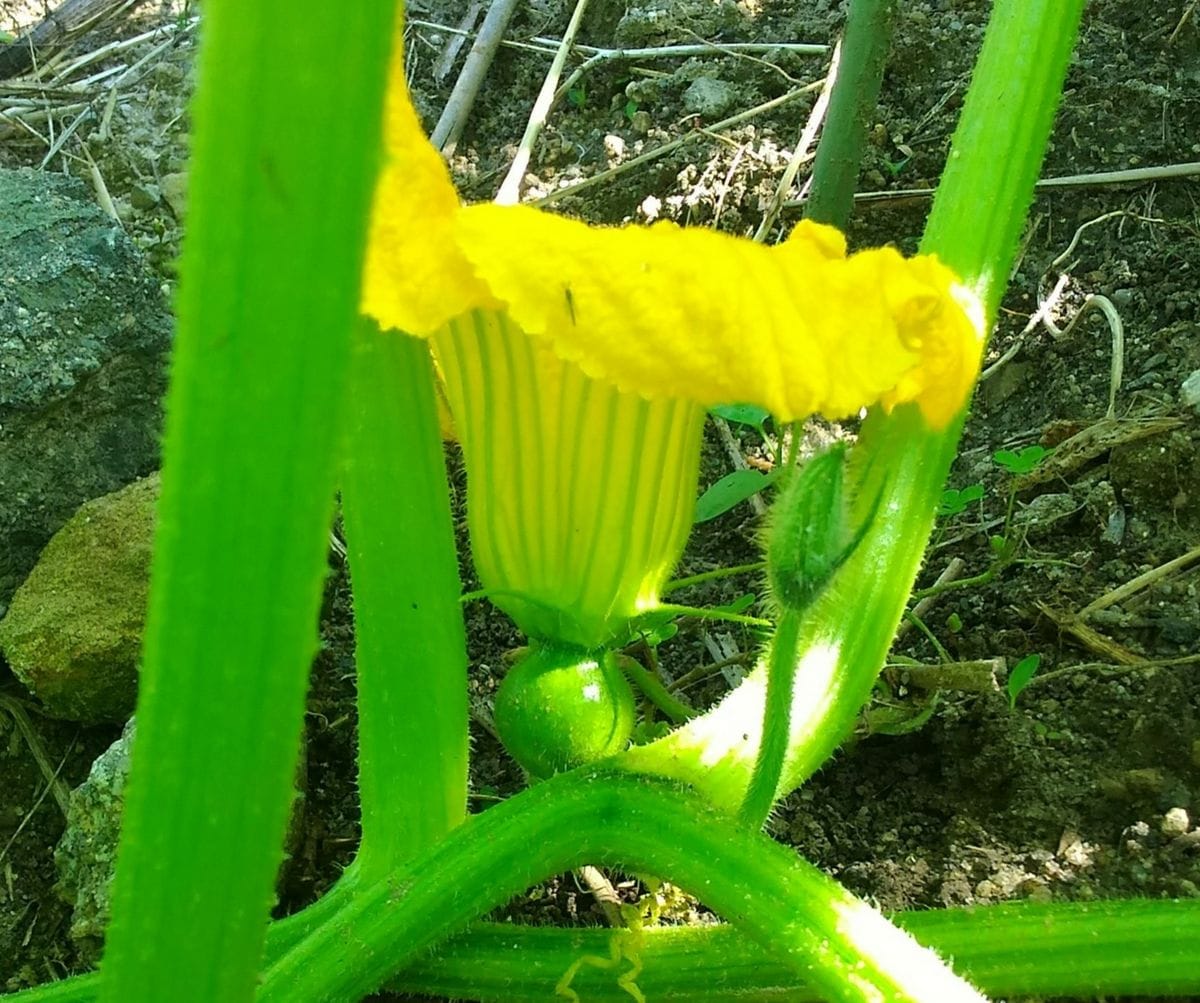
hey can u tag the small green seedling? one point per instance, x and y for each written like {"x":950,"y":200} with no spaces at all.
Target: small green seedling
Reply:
{"x":955,"y":502}
{"x":1022,"y":461}
{"x":731,"y":490}
{"x":744,"y":414}
{"x":577,"y":96}
{"x":1020,"y":677}
{"x":653,"y":628}
{"x":630,"y":109}
{"x":1003,"y":547}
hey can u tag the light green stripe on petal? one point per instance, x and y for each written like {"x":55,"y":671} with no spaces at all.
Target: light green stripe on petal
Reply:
{"x":617,"y":548}
{"x":520,"y":516}
{"x":606,"y":432}
{"x":580,"y":495}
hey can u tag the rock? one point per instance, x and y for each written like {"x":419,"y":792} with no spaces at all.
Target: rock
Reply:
{"x":86,"y":855}
{"x":709,"y":98}
{"x":1175,"y":823}
{"x":642,"y":26}
{"x":1044,"y":512}
{"x":1159,"y":479}
{"x":174,"y":190}
{"x":84,"y":333}
{"x":1189,"y":392}
{"x":73,"y":633}
{"x":662,"y":22}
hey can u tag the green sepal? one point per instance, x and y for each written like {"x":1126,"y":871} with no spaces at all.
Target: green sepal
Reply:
{"x":811,"y":534}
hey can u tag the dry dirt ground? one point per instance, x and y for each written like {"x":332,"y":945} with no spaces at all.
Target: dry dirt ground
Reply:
{"x":1090,"y":785}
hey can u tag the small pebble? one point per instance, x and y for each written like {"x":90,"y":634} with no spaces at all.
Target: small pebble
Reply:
{"x":709,"y":97}
{"x":1175,"y":823}
{"x":1189,"y":393}
{"x":641,"y":122}
{"x":614,"y":148}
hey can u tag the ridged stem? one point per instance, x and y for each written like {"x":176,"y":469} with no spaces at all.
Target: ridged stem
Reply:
{"x":851,"y":106}
{"x":1134,"y":947}
{"x":410,"y":647}
{"x":800,"y":916}
{"x":280,"y":187}
{"x":1081,"y":950}
{"x":776,"y":725}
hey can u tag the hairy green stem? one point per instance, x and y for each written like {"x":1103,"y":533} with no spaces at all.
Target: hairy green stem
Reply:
{"x":1082,"y":949}
{"x":279,"y":192}
{"x":776,"y":726}
{"x":1134,"y":947}
{"x":851,"y":106}
{"x":410,"y":648}
{"x":707,"y":576}
{"x":809,"y":922}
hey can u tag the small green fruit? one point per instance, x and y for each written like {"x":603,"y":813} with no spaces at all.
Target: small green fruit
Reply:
{"x":559,"y":708}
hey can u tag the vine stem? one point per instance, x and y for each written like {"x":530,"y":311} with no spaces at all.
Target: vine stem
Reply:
{"x":1133,"y":947}
{"x":812,"y":925}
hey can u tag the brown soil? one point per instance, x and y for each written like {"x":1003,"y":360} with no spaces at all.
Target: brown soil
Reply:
{"x":1064,"y":795}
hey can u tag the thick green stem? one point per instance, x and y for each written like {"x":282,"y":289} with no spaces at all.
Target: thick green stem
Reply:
{"x":1080,"y":950}
{"x":803,"y":918}
{"x":410,"y":645}
{"x":902,"y":463}
{"x":1136,"y":947}
{"x":851,"y":107}
{"x":279,"y":192}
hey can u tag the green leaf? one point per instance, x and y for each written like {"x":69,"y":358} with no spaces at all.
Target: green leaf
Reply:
{"x":743,"y":414}
{"x":1020,"y":462}
{"x":729,"y":491}
{"x":739,"y":605}
{"x":1020,"y":677}
{"x":955,"y":502}
{"x":900,"y":719}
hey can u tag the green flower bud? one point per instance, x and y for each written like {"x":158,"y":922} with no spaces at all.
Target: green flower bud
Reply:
{"x":811,"y":534}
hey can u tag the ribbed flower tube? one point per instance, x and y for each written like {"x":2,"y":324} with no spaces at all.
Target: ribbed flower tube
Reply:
{"x":579,"y":495}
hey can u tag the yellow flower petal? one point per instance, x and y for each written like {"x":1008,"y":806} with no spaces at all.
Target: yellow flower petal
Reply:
{"x":576,"y":360}
{"x":415,"y":278}
{"x":668,"y":312}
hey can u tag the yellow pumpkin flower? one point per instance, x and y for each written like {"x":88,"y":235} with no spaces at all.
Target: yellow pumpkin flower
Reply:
{"x":578,"y":361}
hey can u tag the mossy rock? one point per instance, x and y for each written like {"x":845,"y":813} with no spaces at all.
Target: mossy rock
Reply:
{"x":73,"y":632}
{"x":86,"y":856}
